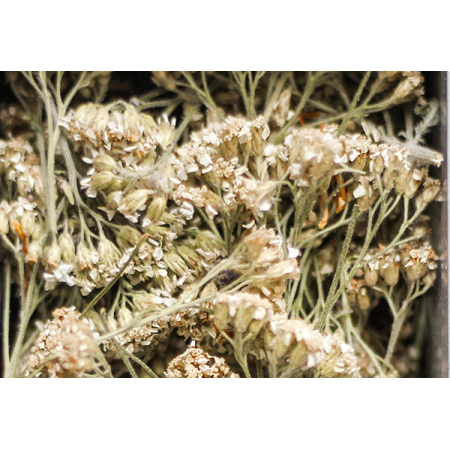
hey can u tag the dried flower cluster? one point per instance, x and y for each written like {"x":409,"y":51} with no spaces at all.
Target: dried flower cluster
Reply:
{"x":257,"y":229}
{"x":195,"y":363}
{"x":66,"y":346}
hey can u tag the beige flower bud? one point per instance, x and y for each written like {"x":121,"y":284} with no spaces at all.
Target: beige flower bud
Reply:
{"x":378,"y":165}
{"x":412,"y":187}
{"x":243,"y":317}
{"x":132,"y":127}
{"x":176,"y":264}
{"x":360,"y":162}
{"x":281,"y":109}
{"x":403,"y":179}
{"x":104,"y":163}
{"x":256,"y":325}
{"x":65,"y":187}
{"x":156,"y":209}
{"x":65,"y":241}
{"x":389,"y":270}
{"x":190,"y":256}
{"x":134,"y":202}
{"x":34,"y":252}
{"x":408,"y":86}
{"x":117,"y":184}
{"x":112,"y":200}
{"x":52,"y":255}
{"x":100,"y":123}
{"x":419,"y":201}
{"x":108,"y":253}
{"x":85,"y":258}
{"x":420,"y":230}
{"x":210,"y":290}
{"x":364,"y":194}
{"x":221,"y":315}
{"x":124,"y":317}
{"x":102,"y":180}
{"x":28,"y":221}
{"x":148,"y":123}
{"x":363,"y":299}
{"x":429,"y":278}
{"x":298,"y":355}
{"x":415,"y":271}
{"x":39,"y":188}
{"x":112,"y":323}
{"x":431,"y":189}
{"x":166,"y":131}
{"x":128,"y":237}
{"x":391,"y":172}
{"x":38,"y":231}
{"x":94,"y":319}
{"x":280,"y":345}
{"x":371,"y":276}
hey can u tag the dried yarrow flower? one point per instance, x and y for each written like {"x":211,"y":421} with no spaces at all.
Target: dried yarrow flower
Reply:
{"x":139,"y":337}
{"x":339,"y":360}
{"x":196,"y":363}
{"x":244,"y":313}
{"x":294,"y":345}
{"x":66,"y":346}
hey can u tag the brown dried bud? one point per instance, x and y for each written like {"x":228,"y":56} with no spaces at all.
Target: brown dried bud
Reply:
{"x":412,"y":187}
{"x":418,"y":261}
{"x":378,"y":165}
{"x":364,"y":194}
{"x":363,"y":299}
{"x":389,"y":269}
{"x":402,"y":181}
{"x":415,"y":271}
{"x":431,"y":189}
{"x":429,"y":278}
{"x":371,"y":276}
{"x":408,"y":86}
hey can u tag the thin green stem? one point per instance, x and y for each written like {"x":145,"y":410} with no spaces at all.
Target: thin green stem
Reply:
{"x":331,"y":298}
{"x":6,"y":312}
{"x":398,"y":323}
{"x":355,"y":101}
